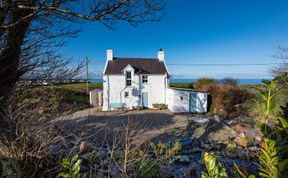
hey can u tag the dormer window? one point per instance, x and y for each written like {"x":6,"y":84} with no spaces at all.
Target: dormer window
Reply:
{"x":128,"y":79}
{"x":144,"y":79}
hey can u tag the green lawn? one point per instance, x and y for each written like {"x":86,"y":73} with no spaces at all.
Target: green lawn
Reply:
{"x":181,"y":85}
{"x":80,"y":87}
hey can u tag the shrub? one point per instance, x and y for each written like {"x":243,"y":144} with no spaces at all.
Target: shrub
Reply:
{"x":160,"y":106}
{"x":227,"y":98}
{"x":229,"y":81}
{"x":204,"y":84}
{"x":72,"y":168}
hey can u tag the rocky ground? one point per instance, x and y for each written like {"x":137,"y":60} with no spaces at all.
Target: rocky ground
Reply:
{"x":235,"y":141}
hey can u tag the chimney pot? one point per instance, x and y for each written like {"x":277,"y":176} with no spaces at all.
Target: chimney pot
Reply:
{"x":109,"y":53}
{"x":161,"y":55}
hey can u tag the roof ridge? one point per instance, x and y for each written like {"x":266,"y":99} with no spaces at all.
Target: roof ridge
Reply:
{"x":134,"y":58}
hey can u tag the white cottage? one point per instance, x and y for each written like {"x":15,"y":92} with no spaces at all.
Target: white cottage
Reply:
{"x":142,"y":82}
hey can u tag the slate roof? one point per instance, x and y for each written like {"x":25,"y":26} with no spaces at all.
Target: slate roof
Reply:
{"x":141,"y":65}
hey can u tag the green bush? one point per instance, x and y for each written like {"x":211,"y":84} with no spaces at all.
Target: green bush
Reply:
{"x":72,"y":168}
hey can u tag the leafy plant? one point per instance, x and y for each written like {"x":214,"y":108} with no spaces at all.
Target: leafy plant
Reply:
{"x":214,"y":169}
{"x":273,"y":155}
{"x":72,"y":168}
{"x":147,"y":167}
{"x":268,"y":94}
{"x":162,"y":149}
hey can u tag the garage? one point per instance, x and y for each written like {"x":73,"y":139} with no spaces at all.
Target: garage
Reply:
{"x":182,"y":100}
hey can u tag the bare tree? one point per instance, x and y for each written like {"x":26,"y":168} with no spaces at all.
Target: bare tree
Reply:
{"x":32,"y":30}
{"x":282,"y":68}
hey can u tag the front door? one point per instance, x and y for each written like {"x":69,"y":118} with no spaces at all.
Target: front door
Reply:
{"x":145,"y":99}
{"x":192,"y":103}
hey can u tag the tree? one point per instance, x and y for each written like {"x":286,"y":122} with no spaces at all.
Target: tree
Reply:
{"x":32,"y":30}
{"x":282,"y":68}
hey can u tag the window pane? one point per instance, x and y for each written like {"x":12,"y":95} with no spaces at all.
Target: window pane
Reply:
{"x":128,"y":82}
{"x":128,"y":75}
{"x":144,"y":79}
{"x":126,"y":94}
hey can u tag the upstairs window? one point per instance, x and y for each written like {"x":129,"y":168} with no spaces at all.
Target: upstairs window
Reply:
{"x":144,"y":79}
{"x":128,"y":78}
{"x":126,"y":94}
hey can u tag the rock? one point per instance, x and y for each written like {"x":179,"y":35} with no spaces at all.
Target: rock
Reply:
{"x":241,"y":140}
{"x":253,"y":149}
{"x":183,"y":159}
{"x":196,"y":142}
{"x":205,"y":145}
{"x":195,"y":150}
{"x":85,"y":147}
{"x":192,"y":170}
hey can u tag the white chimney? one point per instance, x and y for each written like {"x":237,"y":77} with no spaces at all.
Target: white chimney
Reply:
{"x":109,"y":53}
{"x":161,"y":55}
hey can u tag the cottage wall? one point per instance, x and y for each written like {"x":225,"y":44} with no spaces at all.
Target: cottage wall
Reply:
{"x":114,"y":88}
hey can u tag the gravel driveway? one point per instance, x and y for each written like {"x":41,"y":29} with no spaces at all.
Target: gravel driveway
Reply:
{"x":152,"y":125}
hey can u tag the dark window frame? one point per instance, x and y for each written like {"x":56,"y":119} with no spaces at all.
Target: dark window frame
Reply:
{"x":128,"y":78}
{"x":146,"y":80}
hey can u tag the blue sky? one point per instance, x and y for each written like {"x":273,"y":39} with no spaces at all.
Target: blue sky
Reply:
{"x":194,"y":32}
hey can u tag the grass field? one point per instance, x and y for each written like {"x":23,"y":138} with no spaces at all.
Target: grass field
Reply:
{"x":80,"y":87}
{"x":181,"y":85}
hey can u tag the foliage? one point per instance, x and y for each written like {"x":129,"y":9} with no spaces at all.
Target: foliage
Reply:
{"x":274,"y":152}
{"x":268,"y":92}
{"x":229,"y":81}
{"x":79,"y":87}
{"x":147,"y":167}
{"x":163,"y":151}
{"x":72,"y":168}
{"x":204,"y":84}
{"x":182,"y":85}
{"x":160,"y":106}
{"x":214,"y":170}
{"x":228,"y":99}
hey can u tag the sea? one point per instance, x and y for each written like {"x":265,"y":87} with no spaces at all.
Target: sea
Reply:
{"x":175,"y":80}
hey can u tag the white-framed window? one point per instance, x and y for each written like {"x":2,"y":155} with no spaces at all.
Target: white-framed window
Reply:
{"x":126,"y":94}
{"x":128,"y":78}
{"x":144,"y":78}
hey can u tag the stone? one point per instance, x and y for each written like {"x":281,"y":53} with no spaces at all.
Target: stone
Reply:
{"x":253,"y":149}
{"x":205,"y":145}
{"x":241,"y":140}
{"x":85,"y":147}
{"x":195,"y":150}
{"x":183,"y":159}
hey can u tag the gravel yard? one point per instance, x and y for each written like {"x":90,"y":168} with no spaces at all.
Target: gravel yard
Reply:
{"x":152,"y":125}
